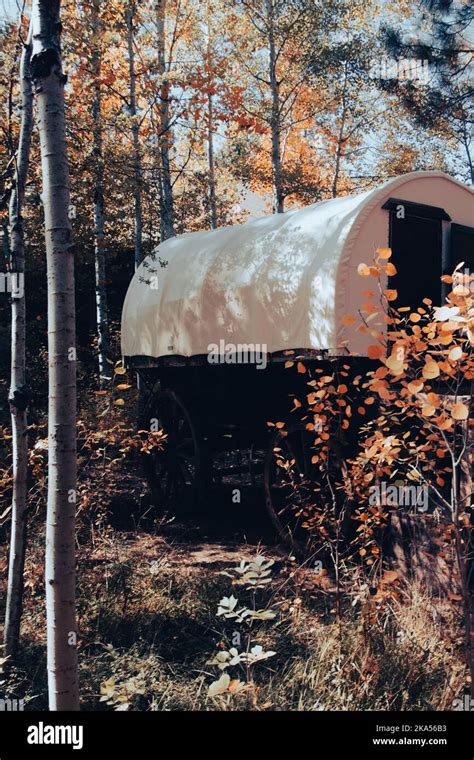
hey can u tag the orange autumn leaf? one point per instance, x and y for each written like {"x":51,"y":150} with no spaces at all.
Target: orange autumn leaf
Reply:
{"x":384,"y":253}
{"x":375,"y":351}
{"x":363,"y":270}
{"x":301,"y":368}
{"x":348,"y":320}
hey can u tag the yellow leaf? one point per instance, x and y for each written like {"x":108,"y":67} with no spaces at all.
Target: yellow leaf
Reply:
{"x":363,"y":270}
{"x":415,"y":386}
{"x":120,"y":371}
{"x":394,"y":364}
{"x":459,"y":411}
{"x":430,"y":370}
{"x":119,"y":402}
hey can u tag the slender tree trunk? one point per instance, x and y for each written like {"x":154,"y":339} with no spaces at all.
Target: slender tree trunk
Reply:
{"x":275,"y":121}
{"x":49,"y":81}
{"x":137,"y":161}
{"x":466,"y":139}
{"x":340,"y":137}
{"x":166,"y":186}
{"x":210,"y":128}
{"x":212,"y":175}
{"x":469,"y":161}
{"x":18,"y":391}
{"x":464,"y":542}
{"x":99,"y":237}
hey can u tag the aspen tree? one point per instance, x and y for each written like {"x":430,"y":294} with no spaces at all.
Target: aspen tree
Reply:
{"x":18,"y":396}
{"x":49,"y":80}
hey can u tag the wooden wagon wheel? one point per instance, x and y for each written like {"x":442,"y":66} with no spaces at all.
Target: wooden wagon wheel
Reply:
{"x":173,"y":471}
{"x":290,"y":480}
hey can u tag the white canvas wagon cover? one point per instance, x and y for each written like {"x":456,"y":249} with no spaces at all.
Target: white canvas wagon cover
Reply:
{"x":283,"y":281}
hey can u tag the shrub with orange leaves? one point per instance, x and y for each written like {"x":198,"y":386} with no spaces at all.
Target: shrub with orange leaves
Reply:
{"x":417,"y":436}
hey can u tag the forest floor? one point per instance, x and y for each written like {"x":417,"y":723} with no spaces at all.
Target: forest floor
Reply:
{"x":147,"y":604}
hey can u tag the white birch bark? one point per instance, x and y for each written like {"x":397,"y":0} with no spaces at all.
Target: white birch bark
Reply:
{"x":60,"y":526}
{"x":340,"y":137}
{"x":18,"y":392}
{"x":99,"y":236}
{"x":210,"y":126}
{"x":275,"y":119}
{"x":137,"y":162}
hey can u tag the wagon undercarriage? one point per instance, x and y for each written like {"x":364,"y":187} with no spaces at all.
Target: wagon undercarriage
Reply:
{"x":224,"y":431}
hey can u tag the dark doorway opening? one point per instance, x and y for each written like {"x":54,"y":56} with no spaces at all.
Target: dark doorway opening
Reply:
{"x":416,"y":243}
{"x":461,"y":248}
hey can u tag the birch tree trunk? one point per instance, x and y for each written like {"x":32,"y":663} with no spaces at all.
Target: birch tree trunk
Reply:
{"x":210,"y":126}
{"x":18,"y":392}
{"x":60,"y":579}
{"x":275,"y":120}
{"x":99,"y":237}
{"x":340,"y":137}
{"x":137,"y":162}
{"x":166,"y":186}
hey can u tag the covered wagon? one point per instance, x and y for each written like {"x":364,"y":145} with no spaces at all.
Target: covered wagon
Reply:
{"x":211,"y":318}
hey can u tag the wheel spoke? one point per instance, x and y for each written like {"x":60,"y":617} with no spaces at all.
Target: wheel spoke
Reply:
{"x":173,"y":469}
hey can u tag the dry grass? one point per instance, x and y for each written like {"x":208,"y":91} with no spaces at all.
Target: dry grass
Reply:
{"x":147,"y":621}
